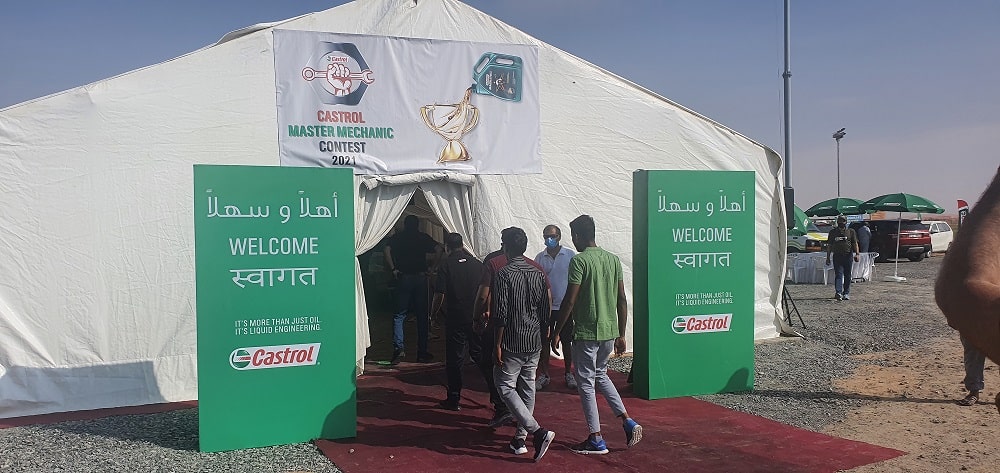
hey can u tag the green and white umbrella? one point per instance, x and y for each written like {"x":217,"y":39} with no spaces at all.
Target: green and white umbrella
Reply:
{"x":835,"y":206}
{"x":900,"y":202}
{"x":801,"y":223}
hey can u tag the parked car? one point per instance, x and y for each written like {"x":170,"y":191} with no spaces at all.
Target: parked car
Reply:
{"x":941,"y":235}
{"x":914,"y":238}
{"x":813,"y":240}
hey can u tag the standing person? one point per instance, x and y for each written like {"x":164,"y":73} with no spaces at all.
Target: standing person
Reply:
{"x":842,"y":242}
{"x":975,"y":366}
{"x":481,"y":317}
{"x":457,"y":283}
{"x":595,"y":300}
{"x":968,"y":286}
{"x":520,"y":312}
{"x":864,"y":237}
{"x":406,"y":257}
{"x":554,"y":260}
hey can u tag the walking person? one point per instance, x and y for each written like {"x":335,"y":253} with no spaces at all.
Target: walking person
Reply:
{"x":554,"y":260}
{"x":595,"y":300}
{"x":842,"y":243}
{"x":455,"y":290}
{"x":406,"y":257}
{"x":975,"y":367}
{"x":519,"y":311}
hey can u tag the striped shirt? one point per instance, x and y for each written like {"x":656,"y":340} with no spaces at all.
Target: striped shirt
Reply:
{"x":520,"y":305}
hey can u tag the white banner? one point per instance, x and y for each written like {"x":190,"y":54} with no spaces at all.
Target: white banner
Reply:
{"x":387,"y":105}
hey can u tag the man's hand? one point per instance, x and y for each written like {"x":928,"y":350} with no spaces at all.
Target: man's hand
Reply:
{"x":479,"y":325}
{"x":555,"y":343}
{"x":857,"y":257}
{"x":620,"y":346}
{"x":499,"y":356}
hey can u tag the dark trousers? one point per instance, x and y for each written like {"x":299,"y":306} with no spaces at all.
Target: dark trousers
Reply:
{"x":975,"y":363}
{"x":842,"y":266}
{"x":461,"y":339}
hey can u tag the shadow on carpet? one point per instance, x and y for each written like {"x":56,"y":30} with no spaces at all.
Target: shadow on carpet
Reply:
{"x":400,"y":428}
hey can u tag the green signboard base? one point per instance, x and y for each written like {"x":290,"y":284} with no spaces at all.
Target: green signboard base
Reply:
{"x":274,"y":264}
{"x":693,"y":248}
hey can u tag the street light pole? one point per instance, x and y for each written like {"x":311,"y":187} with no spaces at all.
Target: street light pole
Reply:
{"x":837,"y":136}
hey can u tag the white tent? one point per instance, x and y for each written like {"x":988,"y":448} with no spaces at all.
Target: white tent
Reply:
{"x":96,"y":227}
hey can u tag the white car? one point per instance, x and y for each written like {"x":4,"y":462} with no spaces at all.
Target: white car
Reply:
{"x":941,"y":235}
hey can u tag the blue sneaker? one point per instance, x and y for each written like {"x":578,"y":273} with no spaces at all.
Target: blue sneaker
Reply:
{"x":633,"y":432}
{"x":590,"y":447}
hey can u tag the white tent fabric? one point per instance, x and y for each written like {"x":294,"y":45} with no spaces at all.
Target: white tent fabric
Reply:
{"x":96,"y":228}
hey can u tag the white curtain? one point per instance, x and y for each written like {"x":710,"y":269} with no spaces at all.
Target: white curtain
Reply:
{"x":452,"y":203}
{"x":380,"y":202}
{"x":375,"y":212}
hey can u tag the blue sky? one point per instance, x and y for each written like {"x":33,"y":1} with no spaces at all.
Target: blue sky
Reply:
{"x":916,"y":83}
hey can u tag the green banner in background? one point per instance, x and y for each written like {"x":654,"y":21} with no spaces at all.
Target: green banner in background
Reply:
{"x":693,"y":243}
{"x":274,"y":264}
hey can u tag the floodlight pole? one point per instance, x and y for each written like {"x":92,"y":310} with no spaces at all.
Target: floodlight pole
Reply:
{"x":837,"y":136}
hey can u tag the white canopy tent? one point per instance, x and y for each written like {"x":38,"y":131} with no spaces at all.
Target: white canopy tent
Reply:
{"x":96,"y":227}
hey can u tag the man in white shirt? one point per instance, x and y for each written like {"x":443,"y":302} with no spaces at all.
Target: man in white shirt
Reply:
{"x":554,"y":260}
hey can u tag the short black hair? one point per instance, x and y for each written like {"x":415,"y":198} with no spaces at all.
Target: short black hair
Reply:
{"x":515,"y":241}
{"x":411,"y":222}
{"x":453,"y":241}
{"x":583,"y":227}
{"x":841,"y":218}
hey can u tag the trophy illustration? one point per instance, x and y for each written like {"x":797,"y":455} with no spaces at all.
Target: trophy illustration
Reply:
{"x":452,"y":121}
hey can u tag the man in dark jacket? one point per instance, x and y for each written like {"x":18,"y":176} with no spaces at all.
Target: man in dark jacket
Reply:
{"x":842,"y":243}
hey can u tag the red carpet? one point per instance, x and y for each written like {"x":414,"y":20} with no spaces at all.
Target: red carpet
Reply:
{"x":400,"y":429}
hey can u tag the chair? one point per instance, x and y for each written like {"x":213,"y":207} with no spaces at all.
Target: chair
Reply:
{"x":864,"y":269}
{"x":820,"y":271}
{"x":800,"y":269}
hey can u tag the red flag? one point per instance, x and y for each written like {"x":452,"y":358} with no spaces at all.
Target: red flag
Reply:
{"x":963,"y":211}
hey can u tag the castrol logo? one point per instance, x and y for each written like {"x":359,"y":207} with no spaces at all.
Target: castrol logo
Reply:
{"x":275,"y":356}
{"x":685,"y":324}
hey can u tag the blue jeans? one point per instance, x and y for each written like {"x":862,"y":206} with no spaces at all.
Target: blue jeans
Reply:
{"x":842,"y":269}
{"x":590,"y":363}
{"x":975,"y":363}
{"x":411,"y":292}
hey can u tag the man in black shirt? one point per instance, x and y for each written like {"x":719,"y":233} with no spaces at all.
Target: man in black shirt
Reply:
{"x":843,"y":243}
{"x":455,"y":289}
{"x":406,"y":256}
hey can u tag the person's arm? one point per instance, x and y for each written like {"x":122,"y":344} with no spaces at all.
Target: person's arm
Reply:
{"x":497,"y":348}
{"x":622,"y":307}
{"x":968,"y":284}
{"x":480,"y":309}
{"x":437,"y":303}
{"x":389,"y":263}
{"x":565,"y":312}
{"x":829,"y":246}
{"x":854,"y":241}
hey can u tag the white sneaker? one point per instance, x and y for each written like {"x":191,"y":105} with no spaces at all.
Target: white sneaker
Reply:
{"x":542,"y":381}
{"x":570,"y":381}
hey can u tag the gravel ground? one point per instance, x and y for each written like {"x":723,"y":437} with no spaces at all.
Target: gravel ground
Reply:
{"x":793,"y":385}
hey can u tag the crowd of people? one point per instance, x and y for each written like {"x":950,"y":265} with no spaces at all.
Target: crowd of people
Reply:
{"x":508,"y":312}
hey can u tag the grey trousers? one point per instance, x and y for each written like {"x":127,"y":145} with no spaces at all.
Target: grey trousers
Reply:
{"x":590,"y":360}
{"x":515,"y":381}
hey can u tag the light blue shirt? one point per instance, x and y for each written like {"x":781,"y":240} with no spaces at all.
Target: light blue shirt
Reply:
{"x":557,"y":269}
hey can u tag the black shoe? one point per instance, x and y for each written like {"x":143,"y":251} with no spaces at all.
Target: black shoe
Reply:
{"x":500,"y":418}
{"x":543,"y":438}
{"x":425,"y":358}
{"x":517,"y":446}
{"x":450,"y":405}
{"x":397,"y":356}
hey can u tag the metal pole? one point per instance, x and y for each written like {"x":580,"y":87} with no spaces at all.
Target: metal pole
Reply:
{"x":787,"y":75}
{"x":838,"y":167}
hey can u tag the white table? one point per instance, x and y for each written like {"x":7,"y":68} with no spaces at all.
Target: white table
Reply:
{"x":811,"y":268}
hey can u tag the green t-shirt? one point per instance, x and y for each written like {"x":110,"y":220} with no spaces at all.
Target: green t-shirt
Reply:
{"x":595,"y":314}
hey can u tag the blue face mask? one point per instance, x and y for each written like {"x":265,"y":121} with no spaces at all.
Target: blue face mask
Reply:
{"x":551,"y":242}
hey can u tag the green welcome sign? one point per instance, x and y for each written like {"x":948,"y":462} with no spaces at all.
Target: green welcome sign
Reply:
{"x":274,"y":263}
{"x":693,"y":243}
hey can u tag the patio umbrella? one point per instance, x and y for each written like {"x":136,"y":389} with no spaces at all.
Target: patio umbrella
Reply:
{"x":835,"y":206}
{"x":900,"y":202}
{"x":801,"y":223}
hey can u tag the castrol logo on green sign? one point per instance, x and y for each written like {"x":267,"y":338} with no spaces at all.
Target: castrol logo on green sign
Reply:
{"x":685,"y":324}
{"x":276,"y":356}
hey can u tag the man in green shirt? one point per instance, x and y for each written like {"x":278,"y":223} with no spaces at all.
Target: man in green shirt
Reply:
{"x":595,"y":300}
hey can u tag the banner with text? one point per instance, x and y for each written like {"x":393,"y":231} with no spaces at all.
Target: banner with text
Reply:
{"x":693,"y":243}
{"x":389,"y":105}
{"x":274,"y":267}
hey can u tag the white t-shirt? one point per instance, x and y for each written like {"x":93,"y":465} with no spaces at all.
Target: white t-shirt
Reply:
{"x":558,"y":271}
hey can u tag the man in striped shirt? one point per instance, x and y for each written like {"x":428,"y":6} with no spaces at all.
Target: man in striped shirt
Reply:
{"x":519,"y":311}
